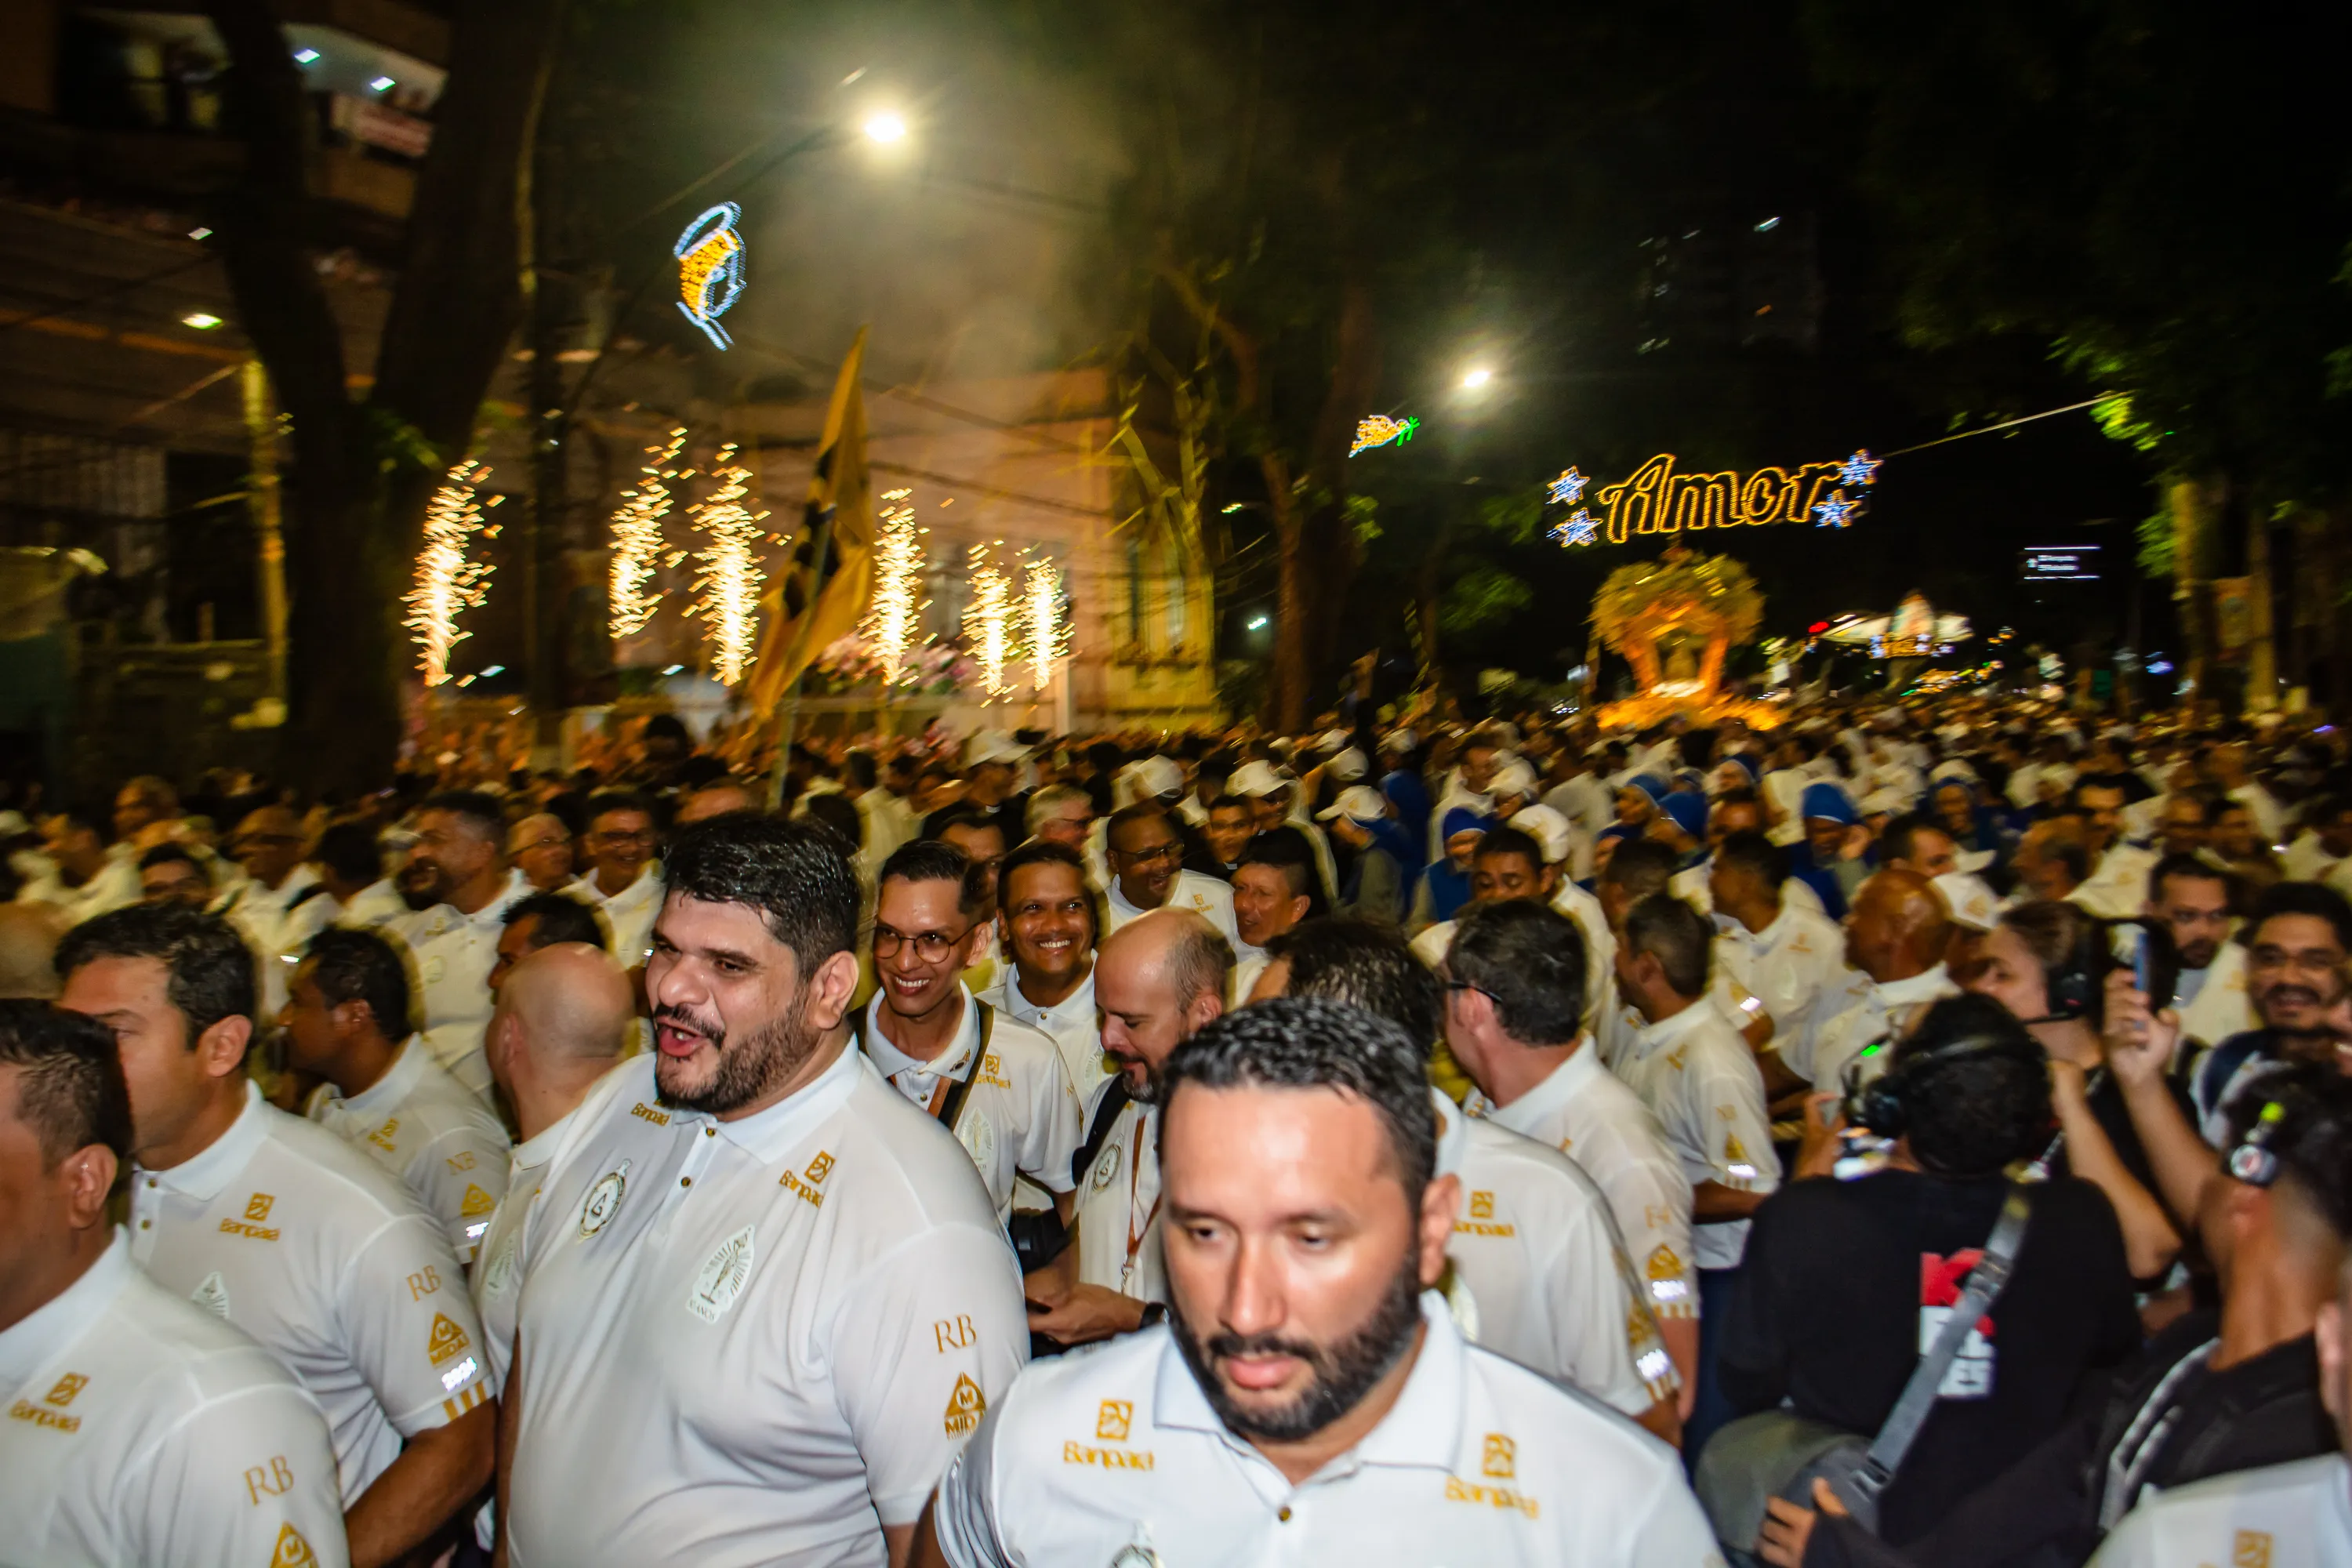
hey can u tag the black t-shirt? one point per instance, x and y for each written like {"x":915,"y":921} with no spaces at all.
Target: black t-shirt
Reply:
{"x":1842,"y":1281}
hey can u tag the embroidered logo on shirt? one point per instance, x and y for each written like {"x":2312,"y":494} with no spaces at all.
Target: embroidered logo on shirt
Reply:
{"x":1499,"y":1458}
{"x":256,"y":1210}
{"x":1107,"y":1168}
{"x":62,"y":1394}
{"x":722,"y":1277}
{"x":293,"y":1551}
{"x":500,"y":1274}
{"x":1663,"y":1263}
{"x":257,"y":1207}
{"x":383,"y":1136}
{"x":647,"y":1112}
{"x":1112,"y":1421}
{"x":212,"y":1295}
{"x":978,"y":1135}
{"x":476,"y":1202}
{"x":1482,"y":1206}
{"x":448,"y":1338}
{"x":966,"y":1405}
{"x":604,"y":1200}
{"x":26,"y":1410}
{"x":1482,"y":1221}
{"x":2251,"y":1549}
{"x":806,"y":1183}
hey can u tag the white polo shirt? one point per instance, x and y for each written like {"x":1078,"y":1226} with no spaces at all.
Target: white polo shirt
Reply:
{"x":2220,"y":1007}
{"x":1870,"y":1012}
{"x":1698,"y":1078}
{"x":1695,"y":885}
{"x":454,"y":953}
{"x":1795,"y":966}
{"x":141,"y":1431}
{"x":1587,"y":1114}
{"x":1541,"y":1274}
{"x":283,"y":918}
{"x":1190,"y":890}
{"x":1115,"y":1457}
{"x":430,"y":1131}
{"x":309,"y":1247}
{"x":1119,"y":1205}
{"x":2116,"y":889}
{"x":1070,"y":1023}
{"x":628,"y":914}
{"x":114,"y":886}
{"x":374,"y":907}
{"x":755,"y":1340}
{"x":2296,"y":1515}
{"x":1020,"y":1117}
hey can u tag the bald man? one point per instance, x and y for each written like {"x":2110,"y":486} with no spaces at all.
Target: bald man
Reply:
{"x":540,"y":848}
{"x":1897,"y":936}
{"x":28,"y":945}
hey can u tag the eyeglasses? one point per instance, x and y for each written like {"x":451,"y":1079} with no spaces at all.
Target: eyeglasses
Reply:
{"x":930,"y":946}
{"x":1171,"y":850}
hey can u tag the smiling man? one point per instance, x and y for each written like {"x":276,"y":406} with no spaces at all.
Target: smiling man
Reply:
{"x":1147,"y":868}
{"x":1309,"y":1399}
{"x":1046,"y":921}
{"x":624,"y":880}
{"x":768,"y":1297}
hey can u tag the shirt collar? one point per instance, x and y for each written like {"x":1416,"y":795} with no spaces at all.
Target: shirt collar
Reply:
{"x":649,"y":875}
{"x":494,"y":913}
{"x":399,"y":1080}
{"x":1567,"y":1081}
{"x":1078,"y":1007}
{"x":1422,"y":1430}
{"x":767,"y":1135}
{"x":1664,"y":1034}
{"x":953,"y":1062}
{"x":203,"y":1175}
{"x":43,"y":1334}
{"x":1921,"y":987}
{"x":540,"y":1147}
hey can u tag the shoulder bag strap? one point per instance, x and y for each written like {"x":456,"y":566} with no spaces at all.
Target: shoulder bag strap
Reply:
{"x":951,"y":1107}
{"x":1107,"y":1113}
{"x":1918,"y":1400}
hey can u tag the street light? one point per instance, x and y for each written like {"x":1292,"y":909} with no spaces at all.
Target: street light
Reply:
{"x":885,"y":126}
{"x":1476,"y":377}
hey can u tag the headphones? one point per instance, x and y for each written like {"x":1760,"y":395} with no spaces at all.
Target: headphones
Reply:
{"x":1883,"y":1105}
{"x":2252,"y":1160}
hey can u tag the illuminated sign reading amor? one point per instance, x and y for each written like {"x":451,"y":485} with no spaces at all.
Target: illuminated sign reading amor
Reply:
{"x":1655,"y":499}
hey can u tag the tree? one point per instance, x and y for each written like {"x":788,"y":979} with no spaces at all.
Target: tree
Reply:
{"x":363,"y":467}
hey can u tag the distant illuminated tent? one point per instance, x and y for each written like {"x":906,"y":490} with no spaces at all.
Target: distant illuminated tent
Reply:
{"x":1874,"y":632}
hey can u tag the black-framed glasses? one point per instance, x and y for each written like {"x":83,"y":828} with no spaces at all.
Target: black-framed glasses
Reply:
{"x":1171,"y":850}
{"x":930,"y":946}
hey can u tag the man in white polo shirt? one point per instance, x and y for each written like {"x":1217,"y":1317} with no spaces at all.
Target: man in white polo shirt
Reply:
{"x":1160,"y":980}
{"x":460,"y":857}
{"x":1790,"y":958}
{"x":994,"y":1082}
{"x":1045,"y":917}
{"x":1515,"y":989}
{"x":1146,"y":859}
{"x":1274,"y":889}
{"x":1309,"y":1399}
{"x":624,"y":880}
{"x":1896,"y":939}
{"x":287,"y":1231}
{"x":767,"y":1298}
{"x":346,"y":1021}
{"x":140,"y":1429}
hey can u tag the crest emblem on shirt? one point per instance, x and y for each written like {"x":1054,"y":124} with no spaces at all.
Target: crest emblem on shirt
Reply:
{"x":448,"y":1338}
{"x":476,"y":1202}
{"x":257,"y":1207}
{"x":722,"y":1277}
{"x":1482,"y":1206}
{"x":62,"y":1394}
{"x":1664,"y":1264}
{"x":977,"y":1134}
{"x":383,"y":1136}
{"x":1498,"y":1458}
{"x":292,"y":1551}
{"x":212,"y":1295}
{"x":604,"y":1200}
{"x":500,"y":1274}
{"x":2251,"y":1549}
{"x":1112,"y":1421}
{"x":966,"y":1405}
{"x":1137,"y":1553}
{"x":1107,"y":1168}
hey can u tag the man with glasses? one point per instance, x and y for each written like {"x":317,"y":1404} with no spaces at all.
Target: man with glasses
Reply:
{"x":1147,"y":868}
{"x":2189,"y":897}
{"x":541,"y":849}
{"x":994,"y":1082}
{"x":459,"y":863}
{"x":624,"y":880}
{"x":280,"y":906}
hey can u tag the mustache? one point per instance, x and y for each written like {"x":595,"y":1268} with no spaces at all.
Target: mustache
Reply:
{"x":1228,"y":1346}
{"x":670,"y":1013}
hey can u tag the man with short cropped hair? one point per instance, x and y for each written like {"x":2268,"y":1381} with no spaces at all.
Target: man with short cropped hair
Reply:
{"x":169,"y":874}
{"x":275,"y":906}
{"x":542,"y":919}
{"x":1046,"y":919}
{"x":2191,"y":898}
{"x":1233,"y":820}
{"x":2116,"y":886}
{"x":1310,"y":1399}
{"x":1787,"y":956}
{"x":347,"y":1021}
{"x":81,"y":880}
{"x":460,"y":857}
{"x":624,"y":880}
{"x":1147,"y":866}
{"x":1062,"y":813}
{"x":1274,"y":888}
{"x":287,"y":1231}
{"x":349,"y":865}
{"x":142,"y":1430}
{"x":1896,"y":939}
{"x":539,"y":846}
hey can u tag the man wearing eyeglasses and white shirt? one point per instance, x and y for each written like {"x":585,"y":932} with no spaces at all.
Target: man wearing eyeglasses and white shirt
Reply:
{"x":460,"y":852}
{"x":994,"y":1082}
{"x":1146,"y":859}
{"x":624,"y":880}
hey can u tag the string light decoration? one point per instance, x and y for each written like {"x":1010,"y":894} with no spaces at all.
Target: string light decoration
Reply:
{"x":1578,"y":528}
{"x":1654,"y":498}
{"x":1862,"y":468}
{"x":988,"y":620}
{"x":1569,"y":488}
{"x":637,"y":534}
{"x":710,"y":269}
{"x":898,"y":604}
{"x":1044,"y":629}
{"x":1836,"y":511}
{"x":726,"y":590}
{"x":1380,"y":430}
{"x":448,"y":581}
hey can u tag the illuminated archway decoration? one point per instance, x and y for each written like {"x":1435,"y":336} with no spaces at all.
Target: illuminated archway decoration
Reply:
{"x":637,"y":534}
{"x":898,"y":606}
{"x":710,"y":269}
{"x":727,"y":591}
{"x":1380,"y":430}
{"x":988,"y":620}
{"x":448,"y":581}
{"x":1044,"y":624}
{"x":1655,"y":499}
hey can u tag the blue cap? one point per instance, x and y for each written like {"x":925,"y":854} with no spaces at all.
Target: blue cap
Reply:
{"x":1688,"y":812}
{"x":1828,"y":802}
{"x":1648,"y":784}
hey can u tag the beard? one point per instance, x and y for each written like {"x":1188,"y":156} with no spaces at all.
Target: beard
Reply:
{"x":749,"y":1066}
{"x":1341,"y":1375}
{"x":2200,"y":954}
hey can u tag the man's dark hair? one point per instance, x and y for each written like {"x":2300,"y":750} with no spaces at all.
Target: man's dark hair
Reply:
{"x":840,"y":817}
{"x":2069,"y":852}
{"x":173,"y":855}
{"x":1642,"y":867}
{"x":361,"y":966}
{"x":69,"y":1088}
{"x":1049,"y":852}
{"x":561,"y":918}
{"x":613,"y":800}
{"x":932,"y":860}
{"x":962,"y":814}
{"x":1497,"y":842}
{"x":2194,"y":867}
{"x":2116,"y":781}
{"x":792,"y":874}
{"x":208,"y":968}
{"x":1973,"y":1114}
{"x":665,"y":727}
{"x":2314,"y":898}
{"x":1898,"y":839}
{"x":348,"y":850}
{"x":1753,"y":853}
{"x":1233,"y":803}
{"x":1141,"y":811}
{"x":863,"y":770}
{"x":1677,"y":935}
{"x":481,"y":812}
{"x":1215,"y":768}
{"x":1365,"y":965}
{"x":1286,"y":850}
{"x":1300,"y":1042}
{"x":1530,"y":959}
{"x":2312,"y":1137}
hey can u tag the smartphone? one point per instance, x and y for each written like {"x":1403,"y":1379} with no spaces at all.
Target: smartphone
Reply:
{"x":2155,"y":962}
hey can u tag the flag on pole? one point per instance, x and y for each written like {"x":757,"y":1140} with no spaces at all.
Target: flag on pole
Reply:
{"x":822,"y":593}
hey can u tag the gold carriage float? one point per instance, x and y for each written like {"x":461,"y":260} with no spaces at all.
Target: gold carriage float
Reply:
{"x":1674,"y":620}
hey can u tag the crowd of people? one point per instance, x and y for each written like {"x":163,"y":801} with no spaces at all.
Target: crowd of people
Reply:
{"x":1910,"y":1135}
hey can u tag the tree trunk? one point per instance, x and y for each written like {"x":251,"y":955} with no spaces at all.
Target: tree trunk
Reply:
{"x":2195,"y":505}
{"x":1326,"y":543}
{"x":2261,"y":656}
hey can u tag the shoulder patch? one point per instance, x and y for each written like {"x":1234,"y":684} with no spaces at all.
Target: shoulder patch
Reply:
{"x":722,"y":1276}
{"x":475,"y":1203}
{"x":966,"y":1405}
{"x":448,"y":1338}
{"x":292,"y":1551}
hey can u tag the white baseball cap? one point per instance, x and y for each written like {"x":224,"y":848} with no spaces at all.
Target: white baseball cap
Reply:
{"x":1547,"y":827}
{"x":992,"y":746}
{"x":1359,"y":803}
{"x":1514,"y":777}
{"x":1154,"y":777}
{"x":1349,"y":765}
{"x":1972,"y":903}
{"x":1256,"y":778}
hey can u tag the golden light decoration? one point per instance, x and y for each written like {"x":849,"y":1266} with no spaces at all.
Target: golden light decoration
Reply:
{"x":636,"y":534}
{"x":988,"y":620}
{"x":1674,"y":620}
{"x":1044,"y":629}
{"x":448,"y":581}
{"x":1380,"y":430}
{"x":898,"y":604}
{"x":726,"y":590}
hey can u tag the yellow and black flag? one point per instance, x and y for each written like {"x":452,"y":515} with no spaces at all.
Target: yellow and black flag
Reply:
{"x":822,"y":593}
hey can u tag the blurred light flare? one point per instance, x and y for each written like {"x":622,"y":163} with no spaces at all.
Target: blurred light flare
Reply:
{"x":726,"y":590}
{"x":898,"y":606}
{"x":636,"y":540}
{"x":1476,"y":377}
{"x":885,"y":127}
{"x":448,"y":582}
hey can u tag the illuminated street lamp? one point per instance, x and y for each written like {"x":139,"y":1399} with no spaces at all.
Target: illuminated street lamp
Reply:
{"x":886,"y":126}
{"x":1476,"y":377}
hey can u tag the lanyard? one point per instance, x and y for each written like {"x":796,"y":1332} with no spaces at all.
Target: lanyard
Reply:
{"x":2143,"y":1439}
{"x":1135,"y":1237}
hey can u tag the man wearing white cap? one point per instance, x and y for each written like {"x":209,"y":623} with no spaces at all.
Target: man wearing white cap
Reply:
{"x":1276,"y":797}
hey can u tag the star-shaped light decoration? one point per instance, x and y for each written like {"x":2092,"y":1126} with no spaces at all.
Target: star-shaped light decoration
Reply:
{"x":1835,"y":512}
{"x":1569,"y":488}
{"x":1579,"y":528}
{"x":1862,"y":468}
